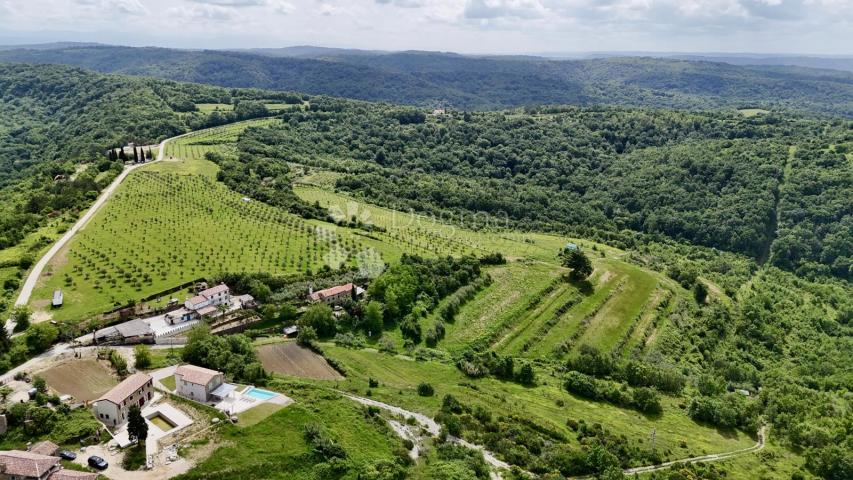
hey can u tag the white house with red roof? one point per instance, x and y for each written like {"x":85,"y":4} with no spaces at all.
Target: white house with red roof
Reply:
{"x":112,"y":408}
{"x":199,"y":383}
{"x":207,"y":301}
{"x":336,"y":295}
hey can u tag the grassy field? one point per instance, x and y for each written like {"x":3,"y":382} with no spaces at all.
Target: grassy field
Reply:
{"x":212,"y":107}
{"x":547,"y":404}
{"x":426,"y":235}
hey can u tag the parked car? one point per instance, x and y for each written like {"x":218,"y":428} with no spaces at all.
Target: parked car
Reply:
{"x":66,"y":454}
{"x":98,"y":462}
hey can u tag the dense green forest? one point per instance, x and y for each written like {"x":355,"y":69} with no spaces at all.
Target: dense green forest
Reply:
{"x":715,"y":179}
{"x":430,"y":78}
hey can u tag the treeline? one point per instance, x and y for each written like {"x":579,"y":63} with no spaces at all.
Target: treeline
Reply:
{"x":409,"y":290}
{"x":232,"y":354}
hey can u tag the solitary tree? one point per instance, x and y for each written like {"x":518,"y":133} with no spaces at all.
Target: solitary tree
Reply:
{"x":137,"y":429}
{"x":21,"y":316}
{"x":142,"y":357}
{"x":578,"y":262}
{"x":373,"y":317}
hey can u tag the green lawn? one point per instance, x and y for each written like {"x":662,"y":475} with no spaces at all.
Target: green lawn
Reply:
{"x":169,"y":382}
{"x":256,"y":415}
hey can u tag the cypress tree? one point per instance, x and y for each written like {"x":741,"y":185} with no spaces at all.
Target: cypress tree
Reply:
{"x":135,"y":156}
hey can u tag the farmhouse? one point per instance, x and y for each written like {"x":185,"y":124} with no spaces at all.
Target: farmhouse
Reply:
{"x":17,"y":464}
{"x":211,"y":297}
{"x":133,"y":331}
{"x":45,"y":447}
{"x":336,"y":295}
{"x":20,"y":465}
{"x":201,"y":384}
{"x":112,"y":408}
{"x":180,"y":315}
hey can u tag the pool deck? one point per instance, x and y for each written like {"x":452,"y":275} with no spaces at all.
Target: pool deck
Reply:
{"x":239,"y":402}
{"x":236,"y":402}
{"x":155,"y":433}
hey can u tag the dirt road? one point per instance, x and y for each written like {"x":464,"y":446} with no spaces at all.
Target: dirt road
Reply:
{"x":38,"y":268}
{"x":434,"y":428}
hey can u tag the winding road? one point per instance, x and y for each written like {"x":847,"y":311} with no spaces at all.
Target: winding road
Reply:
{"x":38,"y":268}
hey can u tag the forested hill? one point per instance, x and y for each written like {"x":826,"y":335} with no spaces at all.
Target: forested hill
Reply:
{"x":776,"y":185}
{"x":55,"y":119}
{"x":429,"y":78}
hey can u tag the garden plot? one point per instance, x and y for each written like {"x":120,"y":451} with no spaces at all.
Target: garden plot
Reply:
{"x":85,"y":380}
{"x":294,"y":360}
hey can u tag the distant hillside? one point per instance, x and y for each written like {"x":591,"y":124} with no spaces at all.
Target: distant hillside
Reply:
{"x":832,"y":63}
{"x":430,"y":78}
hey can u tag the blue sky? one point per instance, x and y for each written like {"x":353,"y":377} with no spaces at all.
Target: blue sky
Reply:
{"x":469,"y":26}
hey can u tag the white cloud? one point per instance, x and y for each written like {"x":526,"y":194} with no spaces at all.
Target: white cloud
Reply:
{"x":490,"y":9}
{"x":232,"y":3}
{"x":482,"y":26}
{"x":131,"y":7}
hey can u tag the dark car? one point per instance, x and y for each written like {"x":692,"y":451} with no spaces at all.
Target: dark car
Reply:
{"x":67,"y":455}
{"x":98,"y":462}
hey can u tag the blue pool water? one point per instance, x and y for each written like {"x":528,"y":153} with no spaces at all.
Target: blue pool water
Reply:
{"x":260,"y":394}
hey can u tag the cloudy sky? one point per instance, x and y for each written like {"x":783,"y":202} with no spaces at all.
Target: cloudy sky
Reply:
{"x":470,"y":26}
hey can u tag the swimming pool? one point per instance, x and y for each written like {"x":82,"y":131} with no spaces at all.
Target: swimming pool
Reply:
{"x":260,"y":394}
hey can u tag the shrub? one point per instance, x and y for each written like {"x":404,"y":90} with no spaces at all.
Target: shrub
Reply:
{"x":425,"y":390}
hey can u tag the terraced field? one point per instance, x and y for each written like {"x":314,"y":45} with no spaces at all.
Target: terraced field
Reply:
{"x":515,"y":287}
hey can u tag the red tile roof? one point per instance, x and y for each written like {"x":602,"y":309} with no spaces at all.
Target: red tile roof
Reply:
{"x":26,"y":464}
{"x":214,"y":290}
{"x":331,"y":292}
{"x":44,"y":448}
{"x":126,"y":388}
{"x":72,"y":475}
{"x":196,"y":375}
{"x":207,"y":310}
{"x":197,"y":299}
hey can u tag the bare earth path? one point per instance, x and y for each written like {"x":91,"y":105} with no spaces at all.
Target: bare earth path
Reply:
{"x":434,"y":428}
{"x":38,"y":268}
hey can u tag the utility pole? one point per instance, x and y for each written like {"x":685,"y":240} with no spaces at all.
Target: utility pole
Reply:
{"x":654,"y":436}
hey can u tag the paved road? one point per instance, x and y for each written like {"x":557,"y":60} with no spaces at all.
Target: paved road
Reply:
{"x":38,"y":268}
